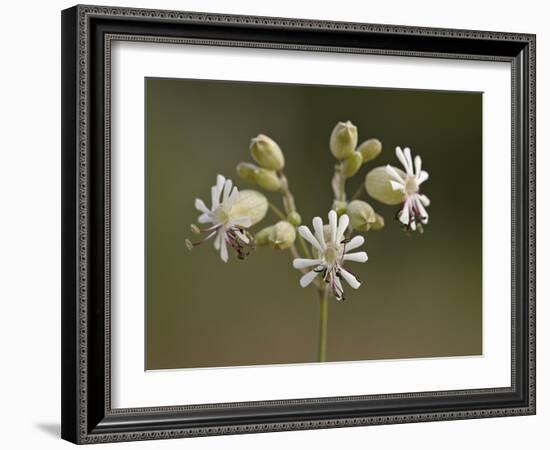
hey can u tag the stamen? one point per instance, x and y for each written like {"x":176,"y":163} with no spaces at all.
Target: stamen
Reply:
{"x":189,"y":244}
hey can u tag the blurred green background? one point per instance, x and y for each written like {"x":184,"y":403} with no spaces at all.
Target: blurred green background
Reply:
{"x":421,"y":294}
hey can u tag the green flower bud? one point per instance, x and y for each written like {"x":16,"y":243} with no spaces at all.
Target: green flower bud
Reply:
{"x":370,"y":149}
{"x":246,"y":171}
{"x":343,"y":140}
{"x":378,"y":223}
{"x":377,"y":184}
{"x":294,"y":218}
{"x":361,"y":215}
{"x":262,"y":236}
{"x":282,"y":235}
{"x":352,"y":164}
{"x":251,"y":204}
{"x":267,"y":153}
{"x":339,"y":206}
{"x":267,"y":179}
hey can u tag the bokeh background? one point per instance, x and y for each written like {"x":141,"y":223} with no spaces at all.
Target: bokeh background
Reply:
{"x":421,"y":294}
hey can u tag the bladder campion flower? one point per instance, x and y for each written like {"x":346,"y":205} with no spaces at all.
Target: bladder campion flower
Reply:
{"x":232,"y":212}
{"x":392,"y":186}
{"x":331,"y":253}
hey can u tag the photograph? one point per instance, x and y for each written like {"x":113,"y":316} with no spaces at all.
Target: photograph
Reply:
{"x":273,"y":222}
{"x":299,"y":224}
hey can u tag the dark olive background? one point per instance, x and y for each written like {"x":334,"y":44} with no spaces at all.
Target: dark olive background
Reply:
{"x":421,"y":294}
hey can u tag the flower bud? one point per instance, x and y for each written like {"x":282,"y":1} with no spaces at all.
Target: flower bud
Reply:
{"x":361,"y":215}
{"x":378,"y":186}
{"x":251,"y":204}
{"x":267,"y":153}
{"x":246,"y":171}
{"x":339,"y":206}
{"x":370,"y":149}
{"x":378,"y":223}
{"x":267,"y":179}
{"x":294,"y":218}
{"x":352,"y":164}
{"x":282,"y":235}
{"x":262,"y":236}
{"x":343,"y":140}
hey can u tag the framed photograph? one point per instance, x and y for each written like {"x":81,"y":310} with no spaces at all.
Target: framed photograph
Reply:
{"x":280,"y":224}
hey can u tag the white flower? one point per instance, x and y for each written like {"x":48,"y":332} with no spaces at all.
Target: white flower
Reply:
{"x":408,"y":183}
{"x":231,"y":213}
{"x":331,"y":253}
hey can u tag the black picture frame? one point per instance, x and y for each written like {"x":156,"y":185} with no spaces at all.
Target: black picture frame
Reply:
{"x":87,"y":416}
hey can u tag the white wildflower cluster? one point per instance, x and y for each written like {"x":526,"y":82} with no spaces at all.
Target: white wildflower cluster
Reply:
{"x":324,"y":251}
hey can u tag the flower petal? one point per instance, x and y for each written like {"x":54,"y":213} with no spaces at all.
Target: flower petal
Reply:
{"x":407,"y":152}
{"x":417,"y":165}
{"x":350,"y":279}
{"x":227,"y":189}
{"x":356,"y":257}
{"x":423,"y":213}
{"x":332,"y":219}
{"x":302,"y":263}
{"x":397,"y":186}
{"x":214,"y":195}
{"x":199,"y":204}
{"x":223,"y":251}
{"x":219,"y":238}
{"x":220,"y":181}
{"x":205,"y":218}
{"x":403,"y":160}
{"x":319,"y":233}
{"x":356,"y":241}
{"x":404,"y":214}
{"x":306,"y":279}
{"x":425,"y":200}
{"x":342,"y":227}
{"x":308,"y":236}
{"x":423,"y":176}
{"x":216,"y":191}
{"x":339,"y":288}
{"x":392,"y":172}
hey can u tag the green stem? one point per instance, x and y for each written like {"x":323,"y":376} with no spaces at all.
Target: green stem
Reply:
{"x":342,"y":188}
{"x":323,"y":323}
{"x":277,"y":211}
{"x":288,"y":198}
{"x":339,"y":184}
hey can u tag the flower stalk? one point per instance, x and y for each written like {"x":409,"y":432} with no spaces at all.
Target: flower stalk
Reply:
{"x":323,"y":324}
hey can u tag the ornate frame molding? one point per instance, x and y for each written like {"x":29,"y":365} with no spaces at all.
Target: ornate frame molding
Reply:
{"x":86,"y":421}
